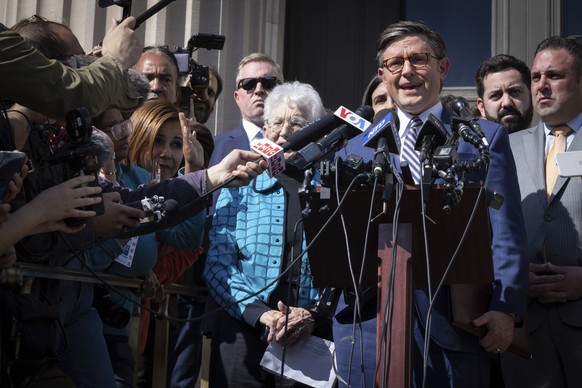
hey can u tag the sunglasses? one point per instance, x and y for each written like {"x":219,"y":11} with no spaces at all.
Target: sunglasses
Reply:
{"x":249,"y":84}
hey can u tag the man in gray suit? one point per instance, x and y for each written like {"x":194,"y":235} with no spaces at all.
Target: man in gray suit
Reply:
{"x":553,"y":222}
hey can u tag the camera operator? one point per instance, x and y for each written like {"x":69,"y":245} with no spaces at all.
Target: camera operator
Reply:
{"x":185,"y":342}
{"x":58,"y":89}
{"x":163,"y":71}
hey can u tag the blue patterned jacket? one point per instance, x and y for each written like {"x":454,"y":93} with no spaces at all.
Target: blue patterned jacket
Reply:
{"x":246,"y":250}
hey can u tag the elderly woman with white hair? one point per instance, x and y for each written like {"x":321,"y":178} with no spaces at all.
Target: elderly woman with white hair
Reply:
{"x":255,"y":236}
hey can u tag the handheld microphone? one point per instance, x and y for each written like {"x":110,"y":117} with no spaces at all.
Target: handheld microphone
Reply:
{"x":272,"y":153}
{"x":353,"y":125}
{"x":383,"y":136}
{"x":155,"y":208}
{"x":432,"y":134}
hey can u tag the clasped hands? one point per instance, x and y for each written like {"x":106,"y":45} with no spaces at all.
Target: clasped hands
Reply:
{"x":554,"y":283}
{"x":299,"y":321}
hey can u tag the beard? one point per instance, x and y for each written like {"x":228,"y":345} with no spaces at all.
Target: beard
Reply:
{"x":201,"y":113}
{"x":516,"y":122}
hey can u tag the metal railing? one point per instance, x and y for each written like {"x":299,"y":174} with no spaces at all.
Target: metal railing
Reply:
{"x":22,"y":275}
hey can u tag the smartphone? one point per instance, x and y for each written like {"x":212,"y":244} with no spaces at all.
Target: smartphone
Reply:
{"x":11,"y":162}
{"x":569,"y":163}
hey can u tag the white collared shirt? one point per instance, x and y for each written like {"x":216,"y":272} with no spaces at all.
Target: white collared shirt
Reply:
{"x":254,"y":133}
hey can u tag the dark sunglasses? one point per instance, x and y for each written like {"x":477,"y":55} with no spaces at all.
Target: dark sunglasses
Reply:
{"x":249,"y":84}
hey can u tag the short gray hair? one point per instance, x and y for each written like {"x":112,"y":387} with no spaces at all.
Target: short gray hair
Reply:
{"x":303,"y":95}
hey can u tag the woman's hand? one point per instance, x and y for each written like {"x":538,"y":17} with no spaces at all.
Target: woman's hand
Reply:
{"x":191,"y":147}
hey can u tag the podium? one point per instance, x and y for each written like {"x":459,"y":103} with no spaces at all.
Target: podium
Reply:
{"x":399,"y":262}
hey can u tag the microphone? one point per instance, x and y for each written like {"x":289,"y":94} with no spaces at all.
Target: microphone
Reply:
{"x":432,"y":134}
{"x":405,"y":173}
{"x":155,"y":208}
{"x":273,"y":153}
{"x":383,"y":134}
{"x":461,"y":108}
{"x":352,"y":125}
{"x":311,"y":132}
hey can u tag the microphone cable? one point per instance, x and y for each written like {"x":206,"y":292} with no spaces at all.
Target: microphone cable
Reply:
{"x":441,"y":283}
{"x":357,"y":285}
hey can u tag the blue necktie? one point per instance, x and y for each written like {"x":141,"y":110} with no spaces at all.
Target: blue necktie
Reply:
{"x":408,"y":152}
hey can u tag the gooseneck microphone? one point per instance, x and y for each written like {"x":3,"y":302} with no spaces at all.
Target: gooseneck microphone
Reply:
{"x":461,"y":107}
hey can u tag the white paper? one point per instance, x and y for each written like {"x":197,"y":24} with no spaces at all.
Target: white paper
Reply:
{"x":308,"y":362}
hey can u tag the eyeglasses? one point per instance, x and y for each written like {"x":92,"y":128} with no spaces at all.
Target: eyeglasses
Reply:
{"x":120,"y":130}
{"x":249,"y":84}
{"x":417,"y":60}
{"x":278,"y":123}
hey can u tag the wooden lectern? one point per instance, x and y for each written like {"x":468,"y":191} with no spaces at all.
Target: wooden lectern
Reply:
{"x":398,"y":262}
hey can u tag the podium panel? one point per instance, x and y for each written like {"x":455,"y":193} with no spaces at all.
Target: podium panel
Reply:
{"x":328,"y":253}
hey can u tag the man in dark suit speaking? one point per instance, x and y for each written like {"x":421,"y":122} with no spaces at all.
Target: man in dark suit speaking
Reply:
{"x":414,"y":65}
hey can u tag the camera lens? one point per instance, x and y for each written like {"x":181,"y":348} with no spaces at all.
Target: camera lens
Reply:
{"x":111,"y":313}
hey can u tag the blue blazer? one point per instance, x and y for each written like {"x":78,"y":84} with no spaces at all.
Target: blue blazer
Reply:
{"x":508,"y":243}
{"x":508,"y":238}
{"x":228,"y":141}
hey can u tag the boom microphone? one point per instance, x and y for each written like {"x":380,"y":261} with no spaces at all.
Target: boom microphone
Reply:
{"x":353,"y":125}
{"x":311,"y":132}
{"x":318,"y":129}
{"x":383,"y":137}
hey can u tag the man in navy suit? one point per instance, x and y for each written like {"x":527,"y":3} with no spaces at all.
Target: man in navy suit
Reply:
{"x":413,"y":64}
{"x":256,"y":76}
{"x":553,"y":218}
{"x":504,"y":92}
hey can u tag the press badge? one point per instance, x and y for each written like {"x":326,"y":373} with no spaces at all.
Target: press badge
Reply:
{"x":126,"y":257}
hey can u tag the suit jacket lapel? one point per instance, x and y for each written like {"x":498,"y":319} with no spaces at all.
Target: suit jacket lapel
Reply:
{"x":533,"y":145}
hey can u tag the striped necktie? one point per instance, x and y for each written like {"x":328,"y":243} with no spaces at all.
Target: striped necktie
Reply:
{"x":409,"y":154}
{"x":560,"y":144}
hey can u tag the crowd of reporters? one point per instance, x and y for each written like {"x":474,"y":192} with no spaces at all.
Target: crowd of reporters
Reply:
{"x":239,"y":241}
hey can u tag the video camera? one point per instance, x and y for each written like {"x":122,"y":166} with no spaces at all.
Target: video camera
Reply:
{"x":57,"y":154}
{"x":193,"y":75}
